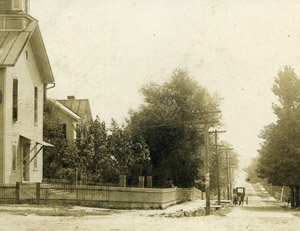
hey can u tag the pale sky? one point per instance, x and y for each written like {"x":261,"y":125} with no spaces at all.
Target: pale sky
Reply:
{"x":105,"y":50}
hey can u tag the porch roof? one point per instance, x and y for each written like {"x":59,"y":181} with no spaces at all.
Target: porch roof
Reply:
{"x":37,"y":141}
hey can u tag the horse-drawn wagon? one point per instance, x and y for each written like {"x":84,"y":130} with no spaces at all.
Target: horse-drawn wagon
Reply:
{"x":239,"y":195}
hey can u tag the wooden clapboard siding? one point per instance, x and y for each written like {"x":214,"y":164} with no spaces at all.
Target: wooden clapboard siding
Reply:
{"x":5,"y":5}
{"x":28,"y":75}
{"x":23,"y":57}
{"x":2,"y":148}
{"x":70,"y":124}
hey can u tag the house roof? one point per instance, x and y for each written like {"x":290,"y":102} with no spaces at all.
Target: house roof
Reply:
{"x":67,"y":110}
{"x":13,"y":43}
{"x":80,"y":107}
{"x":63,"y":109}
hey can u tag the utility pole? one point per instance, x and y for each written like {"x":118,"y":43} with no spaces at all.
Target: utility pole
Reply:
{"x":206,"y":156}
{"x":206,"y":169}
{"x":206,"y":163}
{"x":218,"y":164}
{"x":230,"y":180}
{"x":227,"y":170}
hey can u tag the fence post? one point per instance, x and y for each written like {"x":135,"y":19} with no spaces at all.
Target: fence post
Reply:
{"x":149,"y":181}
{"x":38,"y":193}
{"x":141,"y":181}
{"x":77,"y":193}
{"x":193,"y":193}
{"x":122,"y":182}
{"x":281,"y":193}
{"x":18,"y":192}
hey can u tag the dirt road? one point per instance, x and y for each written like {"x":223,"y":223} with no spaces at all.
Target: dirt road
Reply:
{"x":259,"y":214}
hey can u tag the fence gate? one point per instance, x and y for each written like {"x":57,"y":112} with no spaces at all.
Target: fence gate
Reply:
{"x":27,"y":191}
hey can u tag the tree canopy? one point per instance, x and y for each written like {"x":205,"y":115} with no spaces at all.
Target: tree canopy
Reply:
{"x":99,"y":154}
{"x":171,"y":123}
{"x":164,"y":139}
{"x":279,"y":155}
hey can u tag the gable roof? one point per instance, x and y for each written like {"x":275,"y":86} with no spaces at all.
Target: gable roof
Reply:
{"x":78,"y":106}
{"x":67,"y":111}
{"x":13,"y":43}
{"x":59,"y":106}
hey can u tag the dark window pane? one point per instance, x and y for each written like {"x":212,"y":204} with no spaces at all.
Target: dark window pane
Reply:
{"x":15,"y":100}
{"x":14,"y":157}
{"x":35,"y":105}
{"x":64,"y":130}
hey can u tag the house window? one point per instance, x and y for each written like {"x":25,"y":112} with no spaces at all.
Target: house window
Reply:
{"x":35,"y":105}
{"x":16,"y":4}
{"x":15,"y":100}
{"x":20,"y":5}
{"x":64,"y":130}
{"x":35,"y":163}
{"x":14,"y":157}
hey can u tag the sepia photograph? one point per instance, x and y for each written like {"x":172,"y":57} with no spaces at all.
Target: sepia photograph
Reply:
{"x":132,"y":115}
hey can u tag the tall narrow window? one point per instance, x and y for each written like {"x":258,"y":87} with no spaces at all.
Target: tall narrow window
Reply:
{"x":15,"y":100}
{"x":14,"y":157}
{"x":35,"y":105}
{"x":64,"y":130}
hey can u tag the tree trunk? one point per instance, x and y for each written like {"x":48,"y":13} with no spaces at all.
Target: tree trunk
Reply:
{"x":292,"y":197}
{"x":297,"y":199}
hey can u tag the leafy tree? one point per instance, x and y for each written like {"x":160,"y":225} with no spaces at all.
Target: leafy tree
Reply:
{"x":104,"y":154}
{"x":279,"y":155}
{"x":98,"y":154}
{"x":130,"y":152}
{"x":171,"y":123}
{"x":252,"y":176}
{"x":94,"y":157}
{"x":56,"y":162}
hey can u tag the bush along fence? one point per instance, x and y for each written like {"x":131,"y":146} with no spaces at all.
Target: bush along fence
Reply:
{"x":98,"y":196}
